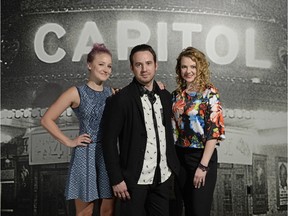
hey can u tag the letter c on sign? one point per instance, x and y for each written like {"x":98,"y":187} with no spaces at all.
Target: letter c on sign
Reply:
{"x":39,"y":43}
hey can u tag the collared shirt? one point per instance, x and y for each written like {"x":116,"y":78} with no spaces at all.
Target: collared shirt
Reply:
{"x":150,"y":157}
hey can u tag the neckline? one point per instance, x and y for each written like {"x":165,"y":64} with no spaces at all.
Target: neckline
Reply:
{"x":94,"y":89}
{"x":191,"y":92}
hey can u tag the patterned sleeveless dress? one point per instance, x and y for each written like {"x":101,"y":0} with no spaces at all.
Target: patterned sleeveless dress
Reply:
{"x":87,"y":177}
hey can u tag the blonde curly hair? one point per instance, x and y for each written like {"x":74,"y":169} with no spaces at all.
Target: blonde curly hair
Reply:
{"x":202,"y":79}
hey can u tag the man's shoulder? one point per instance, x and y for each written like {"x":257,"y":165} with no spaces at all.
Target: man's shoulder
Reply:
{"x":125,"y":90}
{"x":165,"y":93}
{"x":122,"y":93}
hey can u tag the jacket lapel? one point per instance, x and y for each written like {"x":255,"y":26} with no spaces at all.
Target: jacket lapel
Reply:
{"x":165,"y":103}
{"x":135,"y":94}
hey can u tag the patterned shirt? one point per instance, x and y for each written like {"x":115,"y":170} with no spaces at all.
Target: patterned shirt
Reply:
{"x":198,"y":117}
{"x":150,"y":157}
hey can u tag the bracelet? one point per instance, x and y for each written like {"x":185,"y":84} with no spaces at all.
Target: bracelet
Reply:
{"x":203,"y":168}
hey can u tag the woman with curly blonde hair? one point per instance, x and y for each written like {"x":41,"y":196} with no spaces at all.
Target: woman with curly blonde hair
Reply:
{"x":198,"y":128}
{"x":203,"y":76}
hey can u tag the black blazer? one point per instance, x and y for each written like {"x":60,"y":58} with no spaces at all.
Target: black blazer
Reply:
{"x":123,"y":124}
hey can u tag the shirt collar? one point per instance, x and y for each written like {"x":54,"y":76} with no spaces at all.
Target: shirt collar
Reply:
{"x":142,"y":89}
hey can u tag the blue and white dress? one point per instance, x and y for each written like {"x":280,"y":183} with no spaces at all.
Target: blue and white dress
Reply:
{"x":88,"y":179}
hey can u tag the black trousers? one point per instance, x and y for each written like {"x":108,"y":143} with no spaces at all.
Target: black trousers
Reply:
{"x":147,"y":200}
{"x":197,"y":201}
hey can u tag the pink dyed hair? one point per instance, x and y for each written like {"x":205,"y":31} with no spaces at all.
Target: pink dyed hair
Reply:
{"x":96,"y":49}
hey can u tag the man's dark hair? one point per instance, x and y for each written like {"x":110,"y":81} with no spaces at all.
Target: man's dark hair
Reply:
{"x":141,"y":47}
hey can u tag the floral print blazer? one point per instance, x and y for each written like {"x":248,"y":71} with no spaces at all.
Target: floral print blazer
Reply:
{"x":197,"y":118}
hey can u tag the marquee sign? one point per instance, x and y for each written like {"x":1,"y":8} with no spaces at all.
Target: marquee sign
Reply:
{"x":53,"y":44}
{"x":62,"y":40}
{"x":91,"y":32}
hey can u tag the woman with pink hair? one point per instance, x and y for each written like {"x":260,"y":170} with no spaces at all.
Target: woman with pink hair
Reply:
{"x":87,"y":179}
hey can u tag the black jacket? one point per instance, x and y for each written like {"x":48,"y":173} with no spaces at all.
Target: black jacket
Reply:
{"x":123,"y":124}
